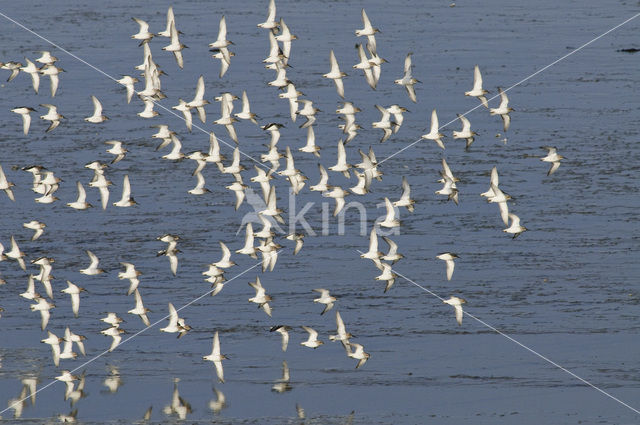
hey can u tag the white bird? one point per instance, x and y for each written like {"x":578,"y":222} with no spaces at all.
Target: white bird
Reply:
{"x":37,"y":226}
{"x":385,"y":124}
{"x":503,"y":109}
{"x":54,"y":342}
{"x":116,"y":149}
{"x":112,"y":319}
{"x":326,"y":299}
{"x":43,"y":306}
{"x":140,"y":309}
{"x":365,"y":66}
{"x":248,"y":248}
{"x":31,"y":69}
{"x":128,"y":82}
{"x":224,"y":55}
{"x":322,"y":184}
{"x":449,"y":189}
{"x":456,"y":303}
{"x":552,"y":156}
{"x":46,"y":58}
{"x":221,"y":41}
{"x":51,"y":115}
{"x":341,"y":165}
{"x":493,"y":182}
{"x":225,"y":262}
{"x":93,"y":268}
{"x":284,"y":332}
{"x":148,"y":111}
{"x":515,"y":229}
{"x":477,"y":90}
{"x":6,"y":185}
{"x":261,"y":298}
{"x":114,"y":332}
{"x":183,"y":107}
{"x":299,"y":240}
{"x":434,"y":133}
{"x":126,"y":200}
{"x":216,"y":357}
{"x":245,"y":113}
{"x":52,"y":71}
{"x":270,"y":23}
{"x":16,"y":254}
{"x":74,"y":291}
{"x":405,"y":199}
{"x":175,"y":46}
{"x":24,"y":112}
{"x":390,"y":219}
{"x":393,"y":255}
{"x":285,"y":37}
{"x":337,"y":193}
{"x":30,"y":293}
{"x":358,"y":353}
{"x":175,"y":154}
{"x":368,"y":31}
{"x":81,"y":202}
{"x":67,"y":351}
{"x":448,"y":258}
{"x":143,"y":34}
{"x":372,"y":253}
{"x":465,"y":132}
{"x":78,"y":339}
{"x":407,"y":80}
{"x":132,"y":274}
{"x":312,"y":341}
{"x":170,"y":19}
{"x":342,"y":334}
{"x":14,"y":67}
{"x":97,"y":116}
{"x":335,"y":74}
{"x":176,"y":324}
{"x":199,"y":189}
{"x":387,"y":274}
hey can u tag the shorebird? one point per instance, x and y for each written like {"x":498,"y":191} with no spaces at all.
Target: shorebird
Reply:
{"x":326,"y":299}
{"x":14,"y":67}
{"x":51,"y":115}
{"x":553,"y":158}
{"x":24,"y":112}
{"x":74,"y":291}
{"x":405,"y":199}
{"x":341,"y":164}
{"x":216,"y":357}
{"x":387,"y":274}
{"x":93,"y":269}
{"x":358,"y":353}
{"x":175,"y":46}
{"x":465,"y":132}
{"x":337,"y":193}
{"x":390,"y":219}
{"x":245,"y":113}
{"x":112,"y":319}
{"x":448,"y":258}
{"x":368,"y":31}
{"x":515,"y":229}
{"x":434,"y":133}
{"x":283,"y":330}
{"x":341,"y":332}
{"x":365,"y":66}
{"x":74,"y":338}
{"x":43,"y":306}
{"x":407,"y":80}
{"x":372,"y":253}
{"x":385,"y":124}
{"x":81,"y":202}
{"x":503,"y":109}
{"x":6,"y":185}
{"x":140,"y":309}
{"x":261,"y":298}
{"x":143,"y":34}
{"x":477,"y":90}
{"x":270,"y":23}
{"x":126,"y":200}
{"x":116,"y":149}
{"x":52,"y":72}
{"x":335,"y":74}
{"x":128,"y":82}
{"x":176,"y":324}
{"x":97,"y":116}
{"x":285,"y":37}
{"x":393,"y":255}
{"x":299,"y":240}
{"x":114,"y":332}
{"x":456,"y":303}
{"x":31,"y":69}
{"x":312,"y":341}
{"x":16,"y":254}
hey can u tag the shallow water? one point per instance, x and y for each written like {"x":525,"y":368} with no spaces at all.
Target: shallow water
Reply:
{"x":567,"y":288}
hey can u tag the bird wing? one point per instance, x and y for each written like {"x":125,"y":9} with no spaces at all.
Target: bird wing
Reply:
{"x":450,"y":267}
{"x":222,"y":33}
{"x":407,"y":65}
{"x":458,"y":309}
{"x":390,"y":211}
{"x":199,"y":89}
{"x":126,"y":188}
{"x":226,"y":254}
{"x":477,"y":79}
{"x":173,"y":316}
{"x":94,"y":260}
{"x":97,"y":106}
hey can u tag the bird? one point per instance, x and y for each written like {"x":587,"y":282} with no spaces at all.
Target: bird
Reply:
{"x":299,"y":240}
{"x":216,"y":357}
{"x":493,"y":182}
{"x":24,"y":112}
{"x":552,"y":156}
{"x":456,"y":303}
{"x":261,"y":298}
{"x":225,"y":262}
{"x":335,"y":74}
{"x":16,"y":254}
{"x":114,"y":332}
{"x":78,"y":339}
{"x":126,"y":200}
{"x":365,"y":66}
{"x":393,"y":255}
{"x":52,"y":71}
{"x":322,"y":184}
{"x":43,"y":306}
{"x":434,"y":133}
{"x":221,"y":41}
{"x":372,"y":253}
{"x":477,"y":90}
{"x":466,"y":132}
{"x":112,"y":319}
{"x":183,"y":107}
{"x":341,"y":332}
{"x":368,"y":31}
{"x":337,"y":193}
{"x":14,"y":67}
{"x":30,"y":293}
{"x":385,"y":123}
{"x":199,"y":189}
{"x":448,"y":258}
{"x":449,"y":190}
{"x":283,"y":330}
{"x":398,"y":118}
{"x":312,"y":341}
{"x":176,"y":324}
{"x":116,"y":149}
{"x":54,"y":342}
{"x":358,"y":353}
{"x":308,"y":111}
{"x":6,"y":185}
{"x":170,"y":19}
{"x":405,"y":199}
{"x":51,"y":115}
{"x":31,"y":69}
{"x":97,"y":116}
{"x":74,"y":291}
{"x":128,"y":82}
{"x":326,"y":299}
{"x":148,"y":111}
{"x":132,"y":274}
{"x":80,"y":203}
{"x":515,"y":229}
{"x":285,"y":37}
{"x":270,"y":23}
{"x":407,"y":80}
{"x":140,"y":309}
{"x":143,"y":34}
{"x":341,"y":164}
{"x":503,"y":109}
{"x":245,"y":113}
{"x":175,"y":46}
{"x":390,"y":219}
{"x":387,"y":274}
{"x":93,"y":269}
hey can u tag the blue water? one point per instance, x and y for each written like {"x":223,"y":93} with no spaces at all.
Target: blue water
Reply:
{"x":567,"y":288}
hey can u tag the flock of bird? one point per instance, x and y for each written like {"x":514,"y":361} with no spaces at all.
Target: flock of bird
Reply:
{"x":366,"y":172}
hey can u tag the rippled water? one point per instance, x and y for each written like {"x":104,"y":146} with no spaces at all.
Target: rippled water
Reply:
{"x":567,"y":288}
